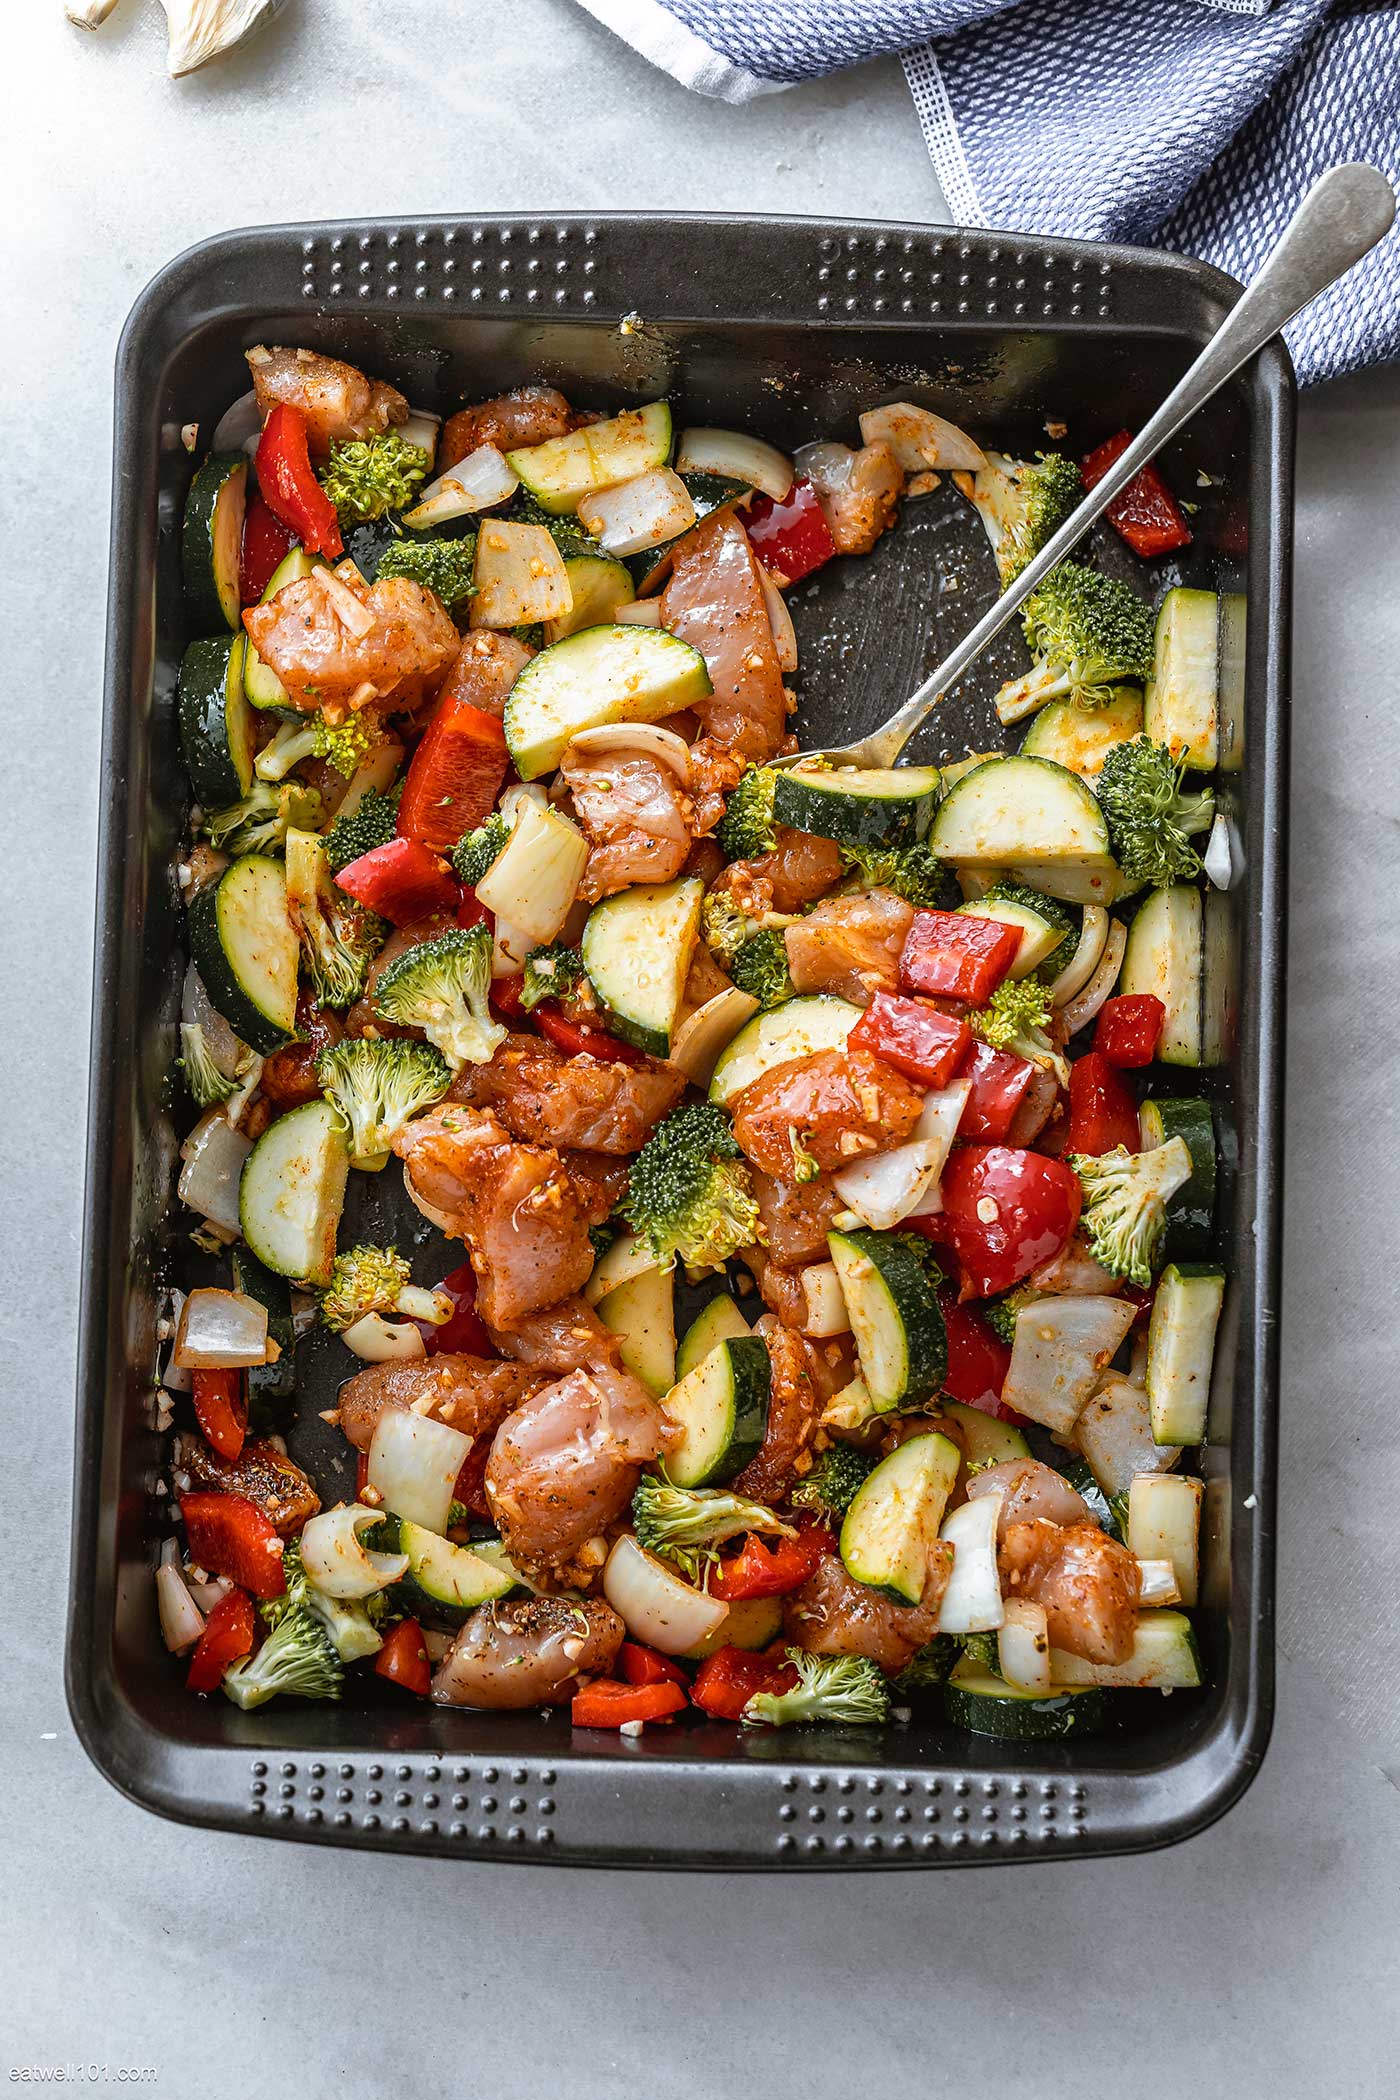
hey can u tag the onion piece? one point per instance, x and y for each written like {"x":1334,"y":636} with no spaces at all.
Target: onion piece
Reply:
{"x":780,"y":620}
{"x":1058,"y":1354}
{"x":826,"y":1302}
{"x":1157,"y":1583}
{"x":972,"y":1601}
{"x":337,"y":1563}
{"x":534,"y":879}
{"x":638,"y":612}
{"x":654,"y":1604}
{"x":1093,"y":936}
{"x":519,"y":576}
{"x":240,"y":421}
{"x":509,"y":950}
{"x":181,"y":1620}
{"x":1082,"y":1009}
{"x":628,"y":1258}
{"x":706,"y":1034}
{"x":421,"y":428}
{"x":1023,"y":1645}
{"x":919,"y":439}
{"x":634,"y":516}
{"x":1218,"y":860}
{"x":197,"y":1009}
{"x":473,"y":484}
{"x":646,"y":738}
{"x":175,"y":1378}
{"x":436,"y":1644}
{"x":221,"y":1330}
{"x":889,"y":1186}
{"x":414,"y":1463}
{"x":376,"y":1340}
{"x":738,"y":456}
{"x":207,"y":1594}
{"x":213,"y":1153}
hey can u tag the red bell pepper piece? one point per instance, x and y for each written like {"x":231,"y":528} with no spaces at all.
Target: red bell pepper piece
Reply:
{"x":403,"y":1659}
{"x":289,"y":485}
{"x":791,"y":538}
{"x":266,"y":544}
{"x":957,"y":955}
{"x":1103,"y":1109}
{"x":728,"y":1679}
{"x":464,"y":1333}
{"x":593,"y":1042}
{"x":761,"y":1570}
{"x":233,"y":1537}
{"x":978,"y":1360}
{"x":1004,"y":1212}
{"x":1000,"y":1080}
{"x":402,"y":881}
{"x":228,"y":1634}
{"x":470,"y":1484}
{"x":221,"y":1410}
{"x":607,"y":1703}
{"x":455,"y":775}
{"x":472,"y":912}
{"x":505,"y":995}
{"x":1147,"y":514}
{"x":647,"y":1666}
{"x":1130,"y":1028}
{"x":916,"y":1038}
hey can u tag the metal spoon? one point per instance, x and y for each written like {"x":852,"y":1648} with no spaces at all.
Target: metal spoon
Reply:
{"x":1340,"y":219}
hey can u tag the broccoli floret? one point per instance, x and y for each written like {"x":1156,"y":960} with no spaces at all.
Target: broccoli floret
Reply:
{"x":352,"y":1626}
{"x":723,"y":925}
{"x":1125,"y":1204}
{"x":298,"y":1656}
{"x":207,"y":1084}
{"x":602,"y":1237}
{"x":747,"y":829}
{"x":689,"y":1191}
{"x":804,"y":1167}
{"x":346,"y":744}
{"x":840,"y":1689}
{"x":1015,"y":1020}
{"x":1023,"y":503}
{"x":378,"y":1084}
{"x":259,"y":823}
{"x":365,"y":477}
{"x":339,"y":938}
{"x":928,"y":1670}
{"x":370,"y":823}
{"x":1088,"y":633}
{"x":568,"y":535}
{"x":836,"y":1474}
{"x":1000,"y":1313}
{"x":443,"y":567}
{"x":686,"y":1525}
{"x":376,"y":1280}
{"x":1048,"y":908}
{"x":1149,"y":819}
{"x":759,"y":966}
{"x":476,"y":850}
{"x":551,"y":973}
{"x":443,"y":987}
{"x":912,"y":872}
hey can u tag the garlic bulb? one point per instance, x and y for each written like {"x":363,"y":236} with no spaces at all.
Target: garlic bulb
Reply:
{"x":90,"y":14}
{"x":201,"y":29}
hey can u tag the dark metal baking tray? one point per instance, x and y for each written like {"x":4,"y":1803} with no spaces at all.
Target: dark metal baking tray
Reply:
{"x":791,"y":326}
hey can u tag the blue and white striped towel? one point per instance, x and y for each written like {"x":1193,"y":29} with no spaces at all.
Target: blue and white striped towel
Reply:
{"x":1187,"y":124}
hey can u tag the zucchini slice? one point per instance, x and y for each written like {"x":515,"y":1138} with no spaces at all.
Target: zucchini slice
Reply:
{"x":721,"y":1321}
{"x":859,"y":806}
{"x":599,"y":585}
{"x":894,"y":1516}
{"x":901,"y":1340}
{"x":560,"y":471}
{"x":262,"y":685}
{"x":1014,"y":811}
{"x":216,"y":722}
{"x":1191,"y":1210}
{"x":722,"y":1409}
{"x":1181,"y":703}
{"x":1080,"y":738}
{"x":984,"y":1704}
{"x":443,"y":1583}
{"x":1164,"y":1658}
{"x":641,"y":1313}
{"x":293,"y":1186}
{"x":753,"y":1622}
{"x":795,"y":1029}
{"x":1164,"y":957}
{"x":1181,"y":1350}
{"x":211,"y":543}
{"x":636,"y":948}
{"x":601,"y":674}
{"x":245,"y":951}
{"x":1219,"y":987}
{"x":986,"y":1441}
{"x":269,"y":1385}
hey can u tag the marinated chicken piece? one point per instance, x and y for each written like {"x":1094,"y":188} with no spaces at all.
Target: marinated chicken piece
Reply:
{"x":588,"y":1104}
{"x":289,"y":1077}
{"x":779,"y":1288}
{"x":714,"y":770}
{"x":261,"y":1472}
{"x":528,"y":415}
{"x":1029,"y":1490}
{"x":470,"y":1393}
{"x":566,"y":1337}
{"x":514,"y":1205}
{"x":531,"y":1652}
{"x":637,"y":817}
{"x":800,"y":869}
{"x":796,"y":1217}
{"x":567,"y":1463}
{"x":803,"y":1377}
{"x":1086,"y":1581}
{"x":704,"y":858}
{"x":850,"y":945}
{"x":486,"y":668}
{"x":858,"y":491}
{"x":833,"y":1614}
{"x":704,"y":980}
{"x":836,"y":1105}
{"x":714,"y":600}
{"x":599,"y":1182}
{"x":325,"y":664}
{"x":337,"y":401}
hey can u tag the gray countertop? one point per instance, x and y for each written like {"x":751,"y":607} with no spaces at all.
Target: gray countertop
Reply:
{"x":1261,"y":1956}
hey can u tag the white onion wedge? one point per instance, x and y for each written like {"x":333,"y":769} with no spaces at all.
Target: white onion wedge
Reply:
{"x":413,"y":1465}
{"x":337,"y":1563}
{"x":1023,"y":1645}
{"x":213,"y":1156}
{"x":1093,"y":937}
{"x":920,"y":439}
{"x":533,"y":881}
{"x":181,"y":1620}
{"x":706,"y":1034}
{"x":519,"y":576}
{"x":647,"y":738}
{"x":628,"y":1258}
{"x":1080,"y":1011}
{"x":654,"y":1604}
{"x":421,"y":429}
{"x":780,"y":620}
{"x":636,"y":515}
{"x":1218,"y":860}
{"x":475,"y":483}
{"x":221,"y":1330}
{"x":641,"y":612}
{"x":240,"y":421}
{"x":1157,"y":1583}
{"x":376,"y":1340}
{"x":826,"y":1302}
{"x":972,"y":1601}
{"x":892,"y":1185}
{"x":1058,"y":1355}
{"x":738,"y":456}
